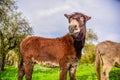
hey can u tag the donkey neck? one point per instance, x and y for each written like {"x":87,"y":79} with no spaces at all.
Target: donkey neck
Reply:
{"x":79,"y":46}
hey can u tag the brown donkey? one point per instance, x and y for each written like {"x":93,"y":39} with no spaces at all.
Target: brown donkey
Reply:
{"x":64,"y":51}
{"x":108,"y":53}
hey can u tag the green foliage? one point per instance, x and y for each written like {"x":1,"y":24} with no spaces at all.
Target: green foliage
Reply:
{"x":84,"y":72}
{"x":12,"y":58}
{"x":114,"y":74}
{"x":91,"y":36}
{"x":88,"y":55}
{"x":13,"y":28}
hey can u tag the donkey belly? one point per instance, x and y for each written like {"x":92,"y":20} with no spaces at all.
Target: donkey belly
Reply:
{"x":47,"y":58}
{"x":46,"y":63}
{"x":50,"y":55}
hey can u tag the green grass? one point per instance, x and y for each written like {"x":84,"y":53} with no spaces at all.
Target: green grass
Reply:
{"x":84,"y":72}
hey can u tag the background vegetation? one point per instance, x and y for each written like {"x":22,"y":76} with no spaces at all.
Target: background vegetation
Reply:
{"x":14,"y":27}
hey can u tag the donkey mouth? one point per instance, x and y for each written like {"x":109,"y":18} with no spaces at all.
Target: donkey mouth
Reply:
{"x":75,"y":34}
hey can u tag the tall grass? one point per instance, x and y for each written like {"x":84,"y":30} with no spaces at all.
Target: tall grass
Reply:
{"x":84,"y":72}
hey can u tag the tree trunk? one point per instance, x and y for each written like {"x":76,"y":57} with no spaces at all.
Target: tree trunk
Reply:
{"x":2,"y":63}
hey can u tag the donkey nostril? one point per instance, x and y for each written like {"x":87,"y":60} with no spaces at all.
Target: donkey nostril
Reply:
{"x":71,"y":29}
{"x":75,"y":26}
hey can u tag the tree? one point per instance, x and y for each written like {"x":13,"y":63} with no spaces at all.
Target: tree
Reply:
{"x":88,"y":51}
{"x":12,"y":58}
{"x":88,"y":54}
{"x":91,"y":36}
{"x":13,"y":28}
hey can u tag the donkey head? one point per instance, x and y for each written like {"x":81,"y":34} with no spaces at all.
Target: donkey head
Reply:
{"x":77,"y":24}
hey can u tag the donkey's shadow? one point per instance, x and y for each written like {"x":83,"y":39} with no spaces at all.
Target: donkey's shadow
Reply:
{"x":115,"y":74}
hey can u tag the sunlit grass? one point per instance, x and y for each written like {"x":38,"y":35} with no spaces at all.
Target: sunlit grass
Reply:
{"x":84,"y":72}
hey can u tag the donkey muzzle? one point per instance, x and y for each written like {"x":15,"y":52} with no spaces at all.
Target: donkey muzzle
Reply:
{"x":73,"y":30}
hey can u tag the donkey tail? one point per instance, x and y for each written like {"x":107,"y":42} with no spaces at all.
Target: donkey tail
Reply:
{"x":21,"y":63}
{"x":21,"y":57}
{"x":97,"y":63}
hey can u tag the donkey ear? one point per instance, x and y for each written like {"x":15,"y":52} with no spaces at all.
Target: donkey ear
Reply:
{"x":87,"y":17}
{"x":67,"y":16}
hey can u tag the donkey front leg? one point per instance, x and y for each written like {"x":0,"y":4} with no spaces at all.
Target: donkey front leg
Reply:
{"x":63,"y":72}
{"x":64,"y":66}
{"x":72,"y":70}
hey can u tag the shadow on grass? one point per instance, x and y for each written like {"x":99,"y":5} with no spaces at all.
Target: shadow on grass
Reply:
{"x":114,"y":74}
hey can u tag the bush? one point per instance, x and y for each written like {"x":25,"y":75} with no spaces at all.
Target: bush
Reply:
{"x":88,"y":55}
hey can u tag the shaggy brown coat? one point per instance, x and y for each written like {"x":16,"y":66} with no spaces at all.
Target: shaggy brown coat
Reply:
{"x":64,"y":51}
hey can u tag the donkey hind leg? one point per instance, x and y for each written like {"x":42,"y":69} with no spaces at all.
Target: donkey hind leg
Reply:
{"x":28,"y":66}
{"x":105,"y":72}
{"x":21,"y":72}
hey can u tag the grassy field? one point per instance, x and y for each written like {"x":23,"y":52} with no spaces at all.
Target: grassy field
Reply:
{"x":84,"y":72}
